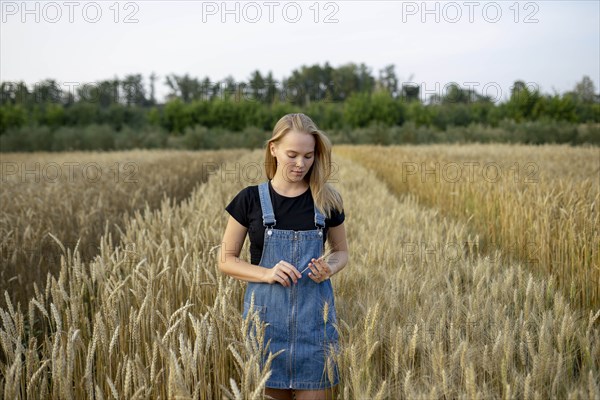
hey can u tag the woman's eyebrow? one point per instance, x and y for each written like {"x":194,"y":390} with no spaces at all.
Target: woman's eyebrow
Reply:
{"x":294,"y":151}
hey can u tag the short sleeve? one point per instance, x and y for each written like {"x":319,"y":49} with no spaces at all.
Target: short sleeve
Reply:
{"x":337,"y":217}
{"x":239,"y":206}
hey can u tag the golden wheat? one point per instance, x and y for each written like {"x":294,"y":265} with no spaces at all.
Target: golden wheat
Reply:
{"x":151,"y":317}
{"x":81,"y":196}
{"x":537,"y":204}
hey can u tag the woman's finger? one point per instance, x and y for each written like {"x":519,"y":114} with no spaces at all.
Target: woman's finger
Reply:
{"x":291,"y":274}
{"x":286,"y":271}
{"x":290,"y":266}
{"x":315,"y":274}
{"x":324,"y":266}
{"x":318,"y":264}
{"x":281,"y":279}
{"x":321,"y":269}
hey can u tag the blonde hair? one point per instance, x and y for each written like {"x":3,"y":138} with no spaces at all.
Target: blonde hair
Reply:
{"x":324,"y":195}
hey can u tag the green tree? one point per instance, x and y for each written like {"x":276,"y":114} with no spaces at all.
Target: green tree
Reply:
{"x":183,"y":87}
{"x":133,"y":89}
{"x":12,"y":116}
{"x":176,"y":116}
{"x":522,"y":102}
{"x":585,"y":91}
{"x":388,"y":80}
{"x":257,"y":87}
{"x":358,"y":109}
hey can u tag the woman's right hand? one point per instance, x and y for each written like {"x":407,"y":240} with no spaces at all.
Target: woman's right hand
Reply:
{"x":282,"y":272}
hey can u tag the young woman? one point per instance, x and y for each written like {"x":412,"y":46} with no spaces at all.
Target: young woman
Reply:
{"x":288,"y":219}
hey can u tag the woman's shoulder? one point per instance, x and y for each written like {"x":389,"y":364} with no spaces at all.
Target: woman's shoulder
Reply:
{"x":336,"y":218}
{"x":252,"y":189}
{"x":250,"y":192}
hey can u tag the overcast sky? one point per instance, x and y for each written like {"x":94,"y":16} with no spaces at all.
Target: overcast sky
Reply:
{"x":549,"y":44}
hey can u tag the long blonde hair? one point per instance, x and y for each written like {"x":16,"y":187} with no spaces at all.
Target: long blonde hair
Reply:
{"x":324,"y":195}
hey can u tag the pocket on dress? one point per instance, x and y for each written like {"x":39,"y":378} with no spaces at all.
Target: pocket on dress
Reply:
{"x":261,"y":309}
{"x":329,"y":339}
{"x":328,"y":353}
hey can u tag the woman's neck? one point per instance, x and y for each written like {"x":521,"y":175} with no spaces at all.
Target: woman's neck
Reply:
{"x":289,"y":189}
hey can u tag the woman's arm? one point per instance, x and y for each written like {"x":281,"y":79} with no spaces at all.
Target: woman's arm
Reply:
{"x":339,"y":257}
{"x":336,"y":261}
{"x":230,"y":263}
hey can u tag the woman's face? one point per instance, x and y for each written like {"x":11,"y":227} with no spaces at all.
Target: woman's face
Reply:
{"x":294,"y":152}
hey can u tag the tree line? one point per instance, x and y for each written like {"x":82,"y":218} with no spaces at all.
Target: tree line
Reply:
{"x":348,"y":97}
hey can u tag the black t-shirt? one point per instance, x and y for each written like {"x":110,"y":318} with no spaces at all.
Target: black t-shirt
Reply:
{"x":293,"y":213}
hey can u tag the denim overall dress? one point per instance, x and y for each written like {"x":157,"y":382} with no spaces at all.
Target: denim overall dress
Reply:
{"x":295,"y":315}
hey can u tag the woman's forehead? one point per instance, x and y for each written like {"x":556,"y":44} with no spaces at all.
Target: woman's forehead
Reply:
{"x":298,"y":141}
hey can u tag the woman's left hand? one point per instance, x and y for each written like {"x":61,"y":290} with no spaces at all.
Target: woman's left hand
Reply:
{"x":320,"y":270}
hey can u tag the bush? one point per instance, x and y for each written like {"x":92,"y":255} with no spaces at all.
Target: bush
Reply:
{"x":67,"y":138}
{"x":151,"y":137}
{"x":255,"y":137}
{"x":27,"y":138}
{"x":11,"y":117}
{"x":588,"y":133}
{"x":98,"y":137}
{"x":198,"y":137}
{"x":154,"y":138}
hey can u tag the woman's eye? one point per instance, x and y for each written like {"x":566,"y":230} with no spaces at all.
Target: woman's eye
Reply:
{"x":290,"y":156}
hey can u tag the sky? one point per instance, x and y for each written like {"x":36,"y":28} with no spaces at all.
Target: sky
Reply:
{"x":485,"y":45}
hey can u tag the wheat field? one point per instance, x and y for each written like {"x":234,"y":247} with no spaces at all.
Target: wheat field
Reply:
{"x":82,"y":196}
{"x":423,"y":312}
{"x":538,"y":205}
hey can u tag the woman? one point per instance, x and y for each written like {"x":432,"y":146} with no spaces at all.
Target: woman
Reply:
{"x":289,"y":218}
